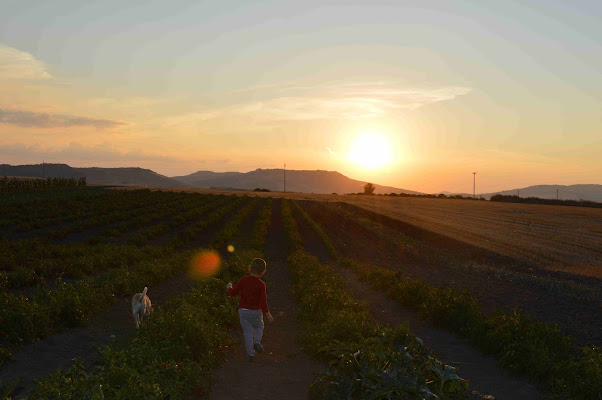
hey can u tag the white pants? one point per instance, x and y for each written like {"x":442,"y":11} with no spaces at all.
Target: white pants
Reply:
{"x":252,"y":328}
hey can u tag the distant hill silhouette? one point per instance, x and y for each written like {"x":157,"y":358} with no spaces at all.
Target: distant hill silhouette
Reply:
{"x":587,"y":192}
{"x":302,"y":181}
{"x":272,"y":179}
{"x":100,"y":176}
{"x":296,"y":181}
{"x":199,"y":178}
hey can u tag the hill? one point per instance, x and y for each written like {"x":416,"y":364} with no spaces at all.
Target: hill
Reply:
{"x":99,"y":176}
{"x":271,"y":179}
{"x":589,"y":192}
{"x":303,"y":181}
{"x":562,"y":192}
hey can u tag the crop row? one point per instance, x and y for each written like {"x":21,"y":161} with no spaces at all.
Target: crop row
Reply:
{"x":173,"y":220}
{"x":172,"y":354}
{"x":36,"y":263}
{"x":519,"y":342}
{"x":140,"y":219}
{"x":28,"y":263}
{"x":26,"y":318}
{"x":68,"y":206}
{"x":27,"y":207}
{"x":233,"y":225}
{"x":45,"y":311}
{"x":259,"y":231}
{"x":367,"y":360}
{"x":81,"y":210}
{"x":178,"y":346}
{"x":122,"y":219}
{"x":194,"y":213}
{"x":193,"y":231}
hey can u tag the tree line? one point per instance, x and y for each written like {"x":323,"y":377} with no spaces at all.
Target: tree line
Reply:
{"x":15,"y":185}
{"x":538,"y":200}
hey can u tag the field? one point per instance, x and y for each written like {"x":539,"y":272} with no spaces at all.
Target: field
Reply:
{"x":525,"y":275}
{"x":549,"y":237}
{"x":556,"y":238}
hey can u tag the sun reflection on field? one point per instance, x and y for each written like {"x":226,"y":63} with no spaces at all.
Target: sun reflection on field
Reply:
{"x":205,"y":264}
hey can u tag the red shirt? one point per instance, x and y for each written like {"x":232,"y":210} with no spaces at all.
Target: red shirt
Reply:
{"x":252,"y":293}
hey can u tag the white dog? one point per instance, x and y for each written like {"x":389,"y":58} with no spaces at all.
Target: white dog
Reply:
{"x":141,"y":306}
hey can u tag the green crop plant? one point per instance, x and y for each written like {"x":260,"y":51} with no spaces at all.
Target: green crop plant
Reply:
{"x":366,"y":360}
{"x":519,"y":342}
{"x":172,"y":354}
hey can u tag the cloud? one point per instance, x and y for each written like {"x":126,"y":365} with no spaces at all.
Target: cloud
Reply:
{"x":17,"y":64}
{"x":104,"y":152}
{"x":352,"y":101}
{"x":190,"y":119}
{"x":30,"y":119}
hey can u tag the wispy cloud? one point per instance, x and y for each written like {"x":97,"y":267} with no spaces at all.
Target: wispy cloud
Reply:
{"x":190,"y":119}
{"x":17,"y":64}
{"x":104,"y":152}
{"x":352,"y":101}
{"x":31,"y":119}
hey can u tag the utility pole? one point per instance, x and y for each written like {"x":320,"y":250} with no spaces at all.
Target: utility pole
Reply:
{"x":474,"y":183}
{"x":518,"y":192}
{"x":556,"y":194}
{"x":284,"y":177}
{"x":43,"y":172}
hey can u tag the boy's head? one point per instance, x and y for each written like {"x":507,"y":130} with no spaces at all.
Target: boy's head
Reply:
{"x":257,"y":266}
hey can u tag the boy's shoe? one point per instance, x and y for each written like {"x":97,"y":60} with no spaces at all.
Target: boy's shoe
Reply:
{"x":258,"y":347}
{"x":250,"y":358}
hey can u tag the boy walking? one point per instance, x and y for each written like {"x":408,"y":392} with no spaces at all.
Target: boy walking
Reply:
{"x":252,"y":303}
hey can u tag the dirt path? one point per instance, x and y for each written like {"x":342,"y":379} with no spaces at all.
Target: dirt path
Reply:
{"x":283,"y":371}
{"x":37,"y":360}
{"x":483,"y":372}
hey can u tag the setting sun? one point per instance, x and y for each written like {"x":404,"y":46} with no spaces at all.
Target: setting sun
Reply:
{"x":371,"y":150}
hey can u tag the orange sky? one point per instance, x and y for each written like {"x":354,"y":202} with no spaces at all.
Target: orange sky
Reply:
{"x":511,"y":91}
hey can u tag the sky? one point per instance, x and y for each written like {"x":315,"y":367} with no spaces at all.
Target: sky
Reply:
{"x":412,"y":94}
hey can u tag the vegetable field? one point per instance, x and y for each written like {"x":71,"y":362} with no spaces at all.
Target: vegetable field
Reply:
{"x":72,"y":258}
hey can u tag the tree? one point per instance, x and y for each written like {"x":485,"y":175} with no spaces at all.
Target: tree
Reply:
{"x":369,"y":188}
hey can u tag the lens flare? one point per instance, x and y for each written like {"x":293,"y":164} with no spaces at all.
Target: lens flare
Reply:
{"x":205,"y":264}
{"x":230,"y":248}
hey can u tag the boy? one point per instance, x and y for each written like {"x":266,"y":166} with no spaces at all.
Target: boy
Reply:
{"x":253,"y":301}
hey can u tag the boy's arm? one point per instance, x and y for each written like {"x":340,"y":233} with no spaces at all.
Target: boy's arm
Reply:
{"x":233,"y":291}
{"x":268,"y":315}
{"x":264,"y":305}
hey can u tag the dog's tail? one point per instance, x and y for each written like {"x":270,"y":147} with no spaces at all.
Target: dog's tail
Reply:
{"x":144,"y":292}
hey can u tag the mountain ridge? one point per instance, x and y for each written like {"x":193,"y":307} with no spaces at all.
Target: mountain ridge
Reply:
{"x":584,"y":191}
{"x":304,"y":181}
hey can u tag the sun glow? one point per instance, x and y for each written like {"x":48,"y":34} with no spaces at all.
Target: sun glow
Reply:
{"x":371,"y":150}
